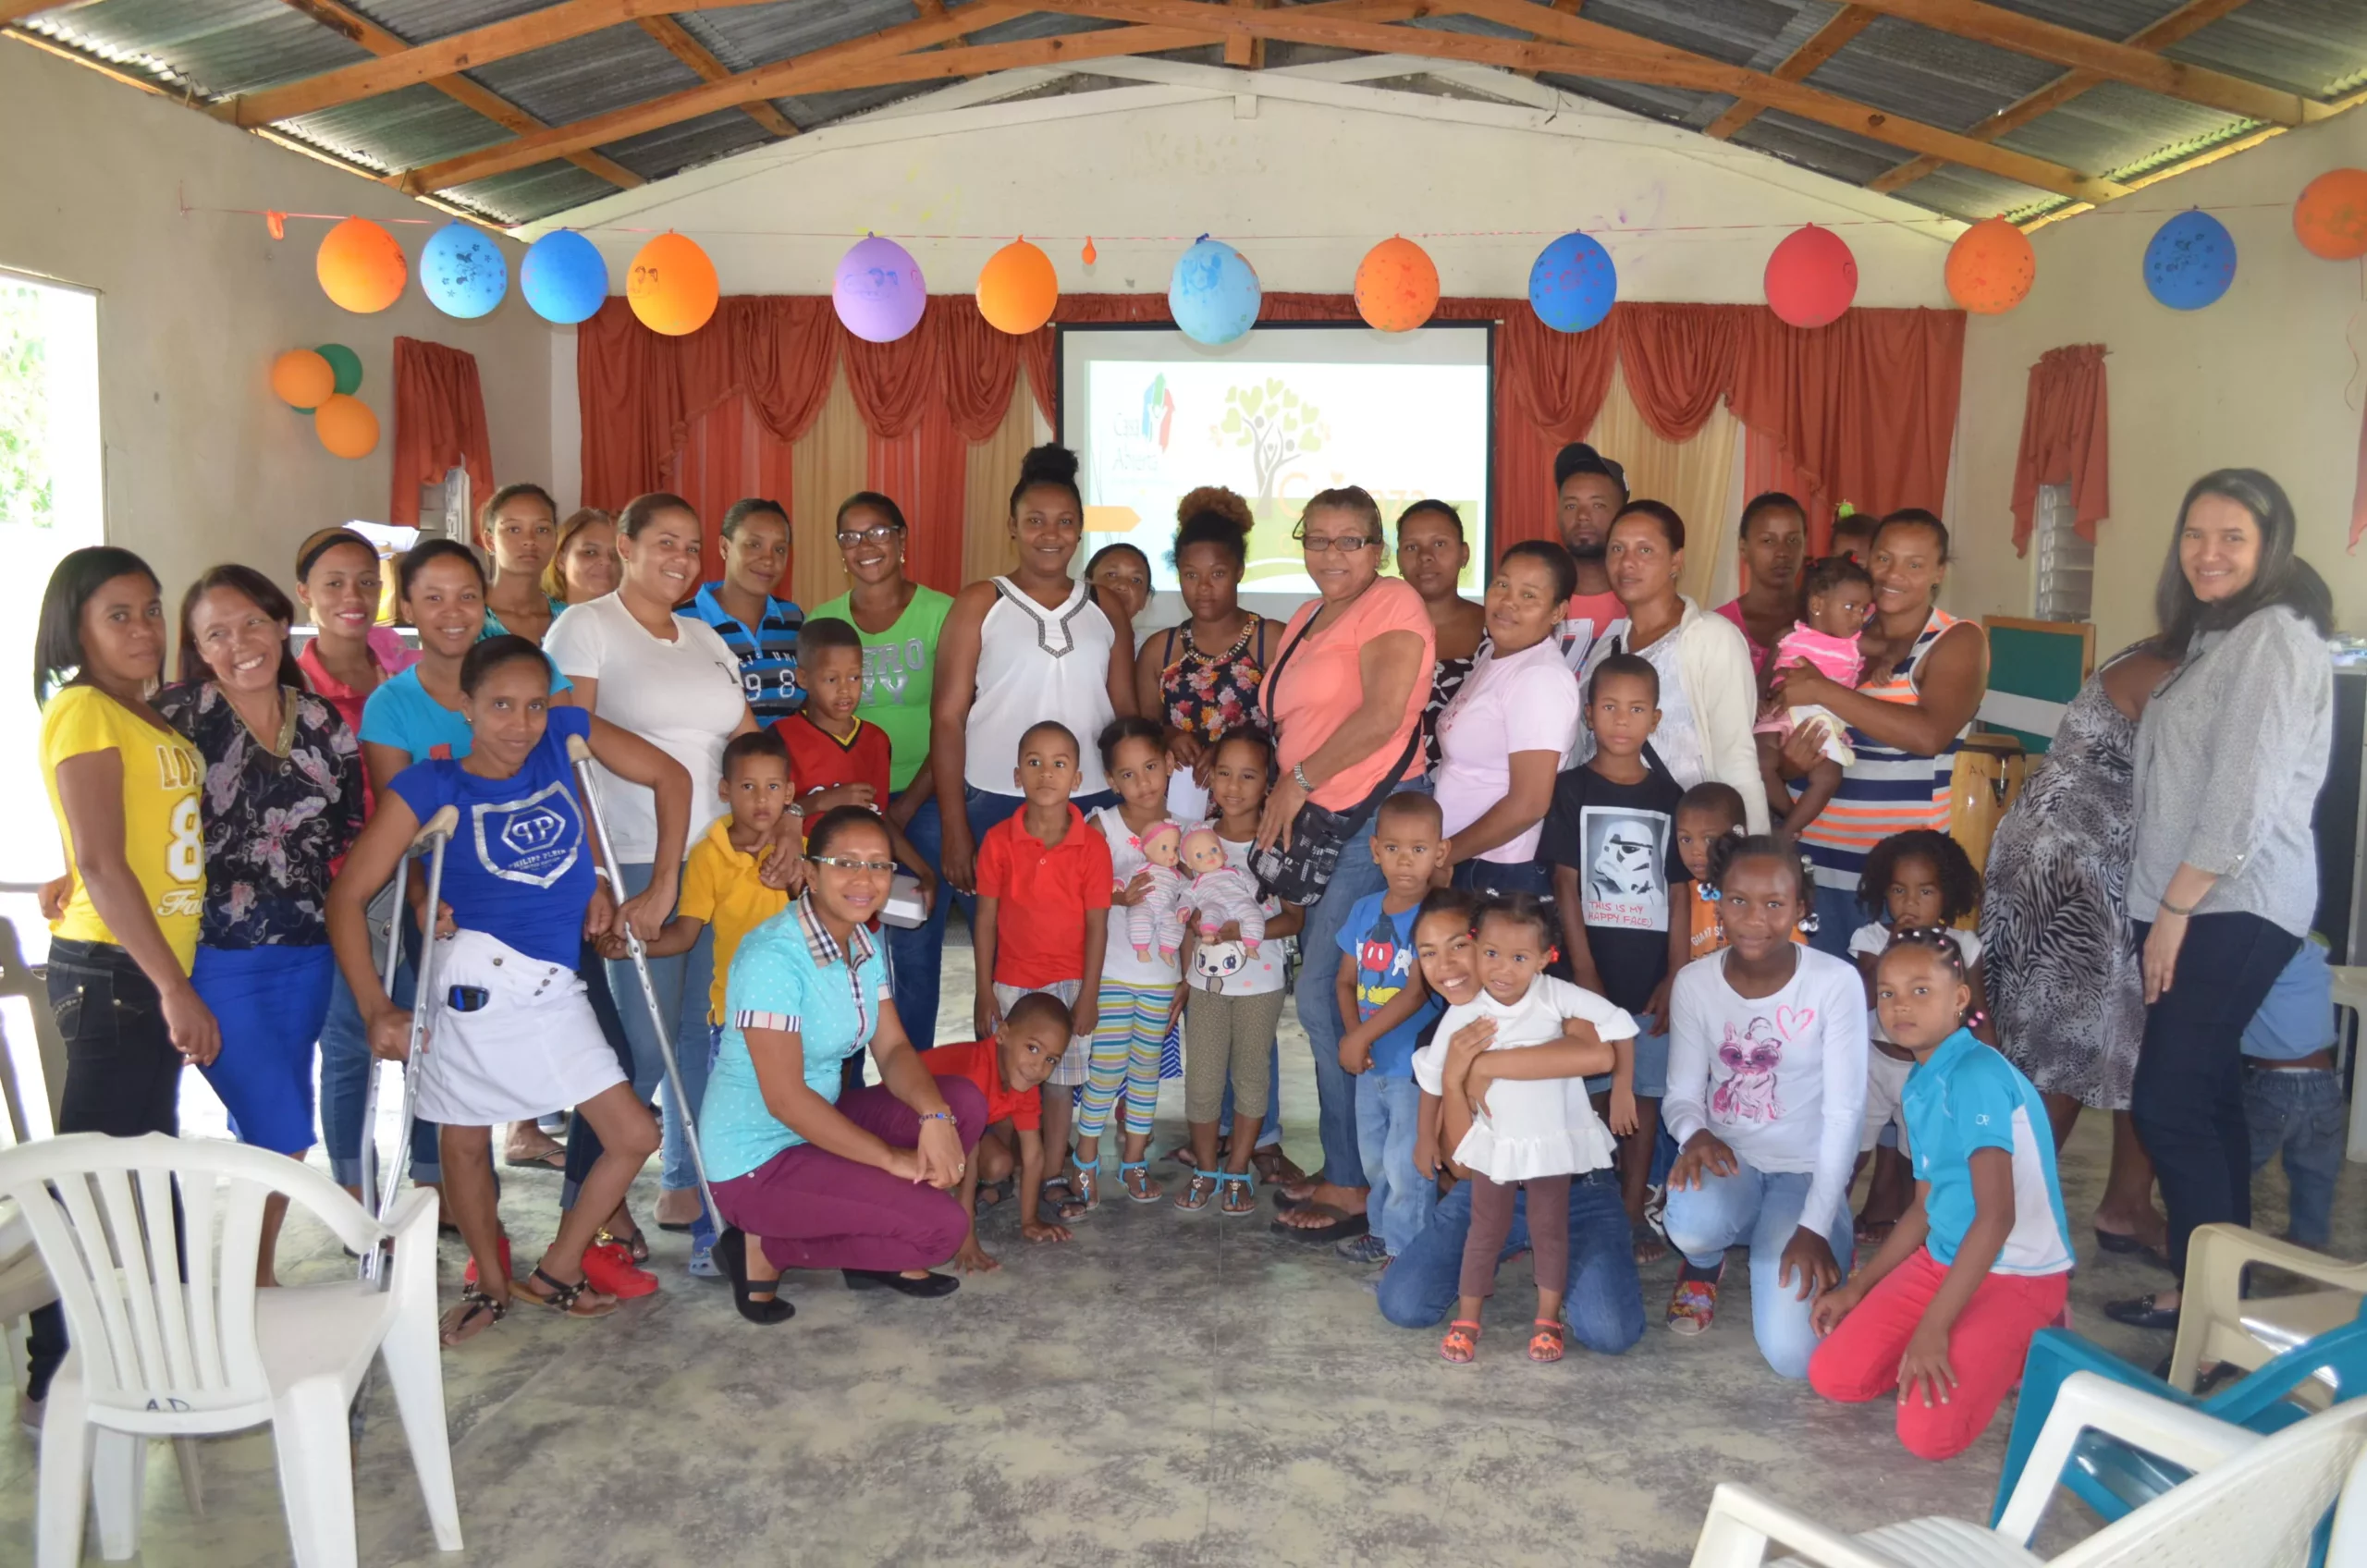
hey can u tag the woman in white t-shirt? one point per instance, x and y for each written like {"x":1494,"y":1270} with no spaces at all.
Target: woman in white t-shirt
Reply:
{"x":1503,"y":740}
{"x":1766,"y":1089}
{"x":669,"y":679}
{"x":1232,"y":1001}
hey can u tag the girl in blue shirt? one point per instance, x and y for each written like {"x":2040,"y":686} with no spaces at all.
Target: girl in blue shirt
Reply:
{"x":513,"y":1034}
{"x":1981,"y":1259}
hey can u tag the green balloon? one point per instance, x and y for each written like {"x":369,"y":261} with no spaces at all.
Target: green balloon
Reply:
{"x":346,"y":363}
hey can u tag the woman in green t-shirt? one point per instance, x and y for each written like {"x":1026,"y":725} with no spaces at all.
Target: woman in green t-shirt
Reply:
{"x":900,"y":621}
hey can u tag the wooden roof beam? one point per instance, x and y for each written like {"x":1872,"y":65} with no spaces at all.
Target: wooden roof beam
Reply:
{"x":700,"y":58}
{"x":342,"y":18}
{"x":1821,"y":46}
{"x":2184,"y":22}
{"x":2134,"y":64}
{"x":1244,"y":52}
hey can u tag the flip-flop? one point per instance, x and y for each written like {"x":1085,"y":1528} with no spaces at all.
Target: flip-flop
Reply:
{"x":551,"y":1158}
{"x":1341,"y":1229}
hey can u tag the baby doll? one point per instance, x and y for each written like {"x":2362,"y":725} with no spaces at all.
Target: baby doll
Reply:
{"x":1219,"y":890}
{"x":1158,"y":921}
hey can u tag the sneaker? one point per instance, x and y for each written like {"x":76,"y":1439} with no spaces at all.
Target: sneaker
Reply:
{"x":703,"y":1264}
{"x":1694,"y":1306}
{"x":608,"y":1268}
{"x":1367,"y":1248}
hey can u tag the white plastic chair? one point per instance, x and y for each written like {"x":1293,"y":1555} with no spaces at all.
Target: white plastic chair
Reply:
{"x":32,"y":1079}
{"x":171,"y":1336}
{"x":2255,"y":1501}
{"x":2350,"y":995}
{"x":2218,"y":1323}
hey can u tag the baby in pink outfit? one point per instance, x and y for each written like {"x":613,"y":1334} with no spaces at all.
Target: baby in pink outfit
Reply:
{"x":1840,"y":595}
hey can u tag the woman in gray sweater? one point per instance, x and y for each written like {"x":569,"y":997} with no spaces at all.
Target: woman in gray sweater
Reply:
{"x":2224,"y":881}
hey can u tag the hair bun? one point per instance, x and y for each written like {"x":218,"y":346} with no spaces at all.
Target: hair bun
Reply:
{"x":1049,"y":464}
{"x":1216,"y":500}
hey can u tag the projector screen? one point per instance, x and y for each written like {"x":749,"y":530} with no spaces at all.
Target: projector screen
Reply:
{"x":1277,"y":415}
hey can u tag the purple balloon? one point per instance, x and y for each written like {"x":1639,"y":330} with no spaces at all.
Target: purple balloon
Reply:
{"x":878,"y":292}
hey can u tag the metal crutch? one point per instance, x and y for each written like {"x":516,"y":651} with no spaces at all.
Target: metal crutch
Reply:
{"x":378,"y":1190}
{"x":579,"y":752}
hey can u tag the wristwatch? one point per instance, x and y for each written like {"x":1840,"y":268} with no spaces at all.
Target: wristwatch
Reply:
{"x":1298,"y":771}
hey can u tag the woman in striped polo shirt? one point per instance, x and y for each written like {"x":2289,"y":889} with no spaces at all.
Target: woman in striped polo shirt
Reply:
{"x":1926,"y":673}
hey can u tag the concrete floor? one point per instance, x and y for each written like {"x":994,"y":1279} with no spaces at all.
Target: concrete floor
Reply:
{"x":1165,"y":1390}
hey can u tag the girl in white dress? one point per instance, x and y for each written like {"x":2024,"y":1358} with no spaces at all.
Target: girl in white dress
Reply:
{"x":1531,"y":1134}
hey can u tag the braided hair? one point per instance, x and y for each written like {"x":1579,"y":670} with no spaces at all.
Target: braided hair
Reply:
{"x":1940,"y":941}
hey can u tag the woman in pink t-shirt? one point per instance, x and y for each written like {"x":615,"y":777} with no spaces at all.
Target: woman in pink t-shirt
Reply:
{"x":1345,"y":696}
{"x":1774,"y":548}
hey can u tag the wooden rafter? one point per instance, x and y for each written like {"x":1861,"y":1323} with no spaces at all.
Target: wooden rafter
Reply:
{"x":1249,"y":53}
{"x":929,"y":8}
{"x":2184,"y":22}
{"x":445,"y":56}
{"x":1821,"y":46}
{"x":700,"y":58}
{"x":901,"y":54}
{"x":342,"y":18}
{"x":17,"y":11}
{"x":2110,"y":61}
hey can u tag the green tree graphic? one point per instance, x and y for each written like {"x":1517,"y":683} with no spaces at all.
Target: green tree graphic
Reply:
{"x":1275,"y":424}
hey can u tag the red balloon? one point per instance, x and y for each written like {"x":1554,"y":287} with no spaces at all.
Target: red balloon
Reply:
{"x":1811,"y":277}
{"x":2331,"y":218}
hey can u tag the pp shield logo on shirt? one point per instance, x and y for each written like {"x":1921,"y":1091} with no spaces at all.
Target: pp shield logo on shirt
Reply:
{"x":534,"y":841}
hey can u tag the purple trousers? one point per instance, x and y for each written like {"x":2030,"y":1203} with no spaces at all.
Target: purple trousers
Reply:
{"x":816,"y":1209}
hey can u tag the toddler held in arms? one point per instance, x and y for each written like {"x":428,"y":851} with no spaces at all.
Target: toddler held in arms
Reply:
{"x":1521,"y":1133}
{"x":1839,"y":593}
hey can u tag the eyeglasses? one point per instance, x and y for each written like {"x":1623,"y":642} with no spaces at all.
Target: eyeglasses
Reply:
{"x":852,"y":865}
{"x":1347,"y":545}
{"x":877,"y":534}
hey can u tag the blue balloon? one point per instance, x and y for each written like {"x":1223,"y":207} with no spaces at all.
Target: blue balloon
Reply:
{"x":1214,"y":294}
{"x":563,"y":277}
{"x":1572,"y":283}
{"x":2191,"y":261}
{"x":463,"y":271}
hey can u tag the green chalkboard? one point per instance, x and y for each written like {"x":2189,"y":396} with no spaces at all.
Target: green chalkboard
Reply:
{"x":2035,"y":668}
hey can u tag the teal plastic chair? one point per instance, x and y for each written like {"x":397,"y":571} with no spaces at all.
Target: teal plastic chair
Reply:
{"x":2114,"y":1478}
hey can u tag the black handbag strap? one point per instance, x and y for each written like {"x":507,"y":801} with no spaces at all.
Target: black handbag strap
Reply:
{"x":1389,"y":781}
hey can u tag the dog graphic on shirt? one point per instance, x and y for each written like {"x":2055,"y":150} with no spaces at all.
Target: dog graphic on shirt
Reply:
{"x":1749,"y":1093}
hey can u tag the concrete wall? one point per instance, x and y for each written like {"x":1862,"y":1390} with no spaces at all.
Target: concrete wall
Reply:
{"x":119,"y":192}
{"x":2265,"y":378}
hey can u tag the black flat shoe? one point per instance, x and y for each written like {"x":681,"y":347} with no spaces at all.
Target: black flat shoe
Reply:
{"x":2139,"y":1312}
{"x":928,"y":1287}
{"x":732,"y":1252}
{"x":2129,"y":1246}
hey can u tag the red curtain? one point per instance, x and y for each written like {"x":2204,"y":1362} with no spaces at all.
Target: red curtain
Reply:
{"x":927,"y":469}
{"x":2066,"y":439}
{"x":1863,"y":409}
{"x":725,"y":453}
{"x":439,"y":424}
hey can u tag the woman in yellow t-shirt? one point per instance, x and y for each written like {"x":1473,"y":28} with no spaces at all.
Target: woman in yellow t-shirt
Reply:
{"x":124,"y":788}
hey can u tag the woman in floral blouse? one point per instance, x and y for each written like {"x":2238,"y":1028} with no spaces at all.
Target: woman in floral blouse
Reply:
{"x":1200,"y":680}
{"x":281,"y":801}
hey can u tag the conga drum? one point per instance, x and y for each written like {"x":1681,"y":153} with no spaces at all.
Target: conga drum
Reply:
{"x":1988,"y":775}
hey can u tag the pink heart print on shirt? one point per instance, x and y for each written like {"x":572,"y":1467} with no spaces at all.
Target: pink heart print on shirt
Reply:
{"x":1750,"y":1057}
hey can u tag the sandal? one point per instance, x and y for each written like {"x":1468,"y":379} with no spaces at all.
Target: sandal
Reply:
{"x":1087,"y":1185}
{"x":1144,"y":1190}
{"x":1198,"y":1192}
{"x":469,"y":1275}
{"x":1274,"y":1167}
{"x":1546,"y":1343}
{"x":567,"y":1299}
{"x":1237,"y":1193}
{"x":991,"y":1193}
{"x":476,"y":1313}
{"x":634,"y":1243}
{"x":1648,"y":1243}
{"x":1062,"y":1209}
{"x":1462,"y":1343}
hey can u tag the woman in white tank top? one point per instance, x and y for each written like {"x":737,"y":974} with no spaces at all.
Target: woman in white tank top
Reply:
{"x":1017,"y":650}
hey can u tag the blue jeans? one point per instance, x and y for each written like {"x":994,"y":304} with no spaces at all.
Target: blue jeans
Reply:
{"x":1503,"y":877}
{"x":916,"y":955}
{"x":1318,"y":1008}
{"x":1837,"y":915}
{"x":681,"y":982}
{"x":1761,"y":1209}
{"x":1604,"y":1304}
{"x":344,"y":1080}
{"x":1387,"y":1115}
{"x":2301,"y":1112}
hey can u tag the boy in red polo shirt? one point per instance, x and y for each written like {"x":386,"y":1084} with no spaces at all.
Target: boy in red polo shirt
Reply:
{"x":1044,"y":883}
{"x":837,"y":758}
{"x":1009,"y":1069}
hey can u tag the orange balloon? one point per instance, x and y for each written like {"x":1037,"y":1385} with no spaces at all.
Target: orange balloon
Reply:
{"x":304,"y":379}
{"x":1018,"y":289}
{"x":2331,"y":218}
{"x":361,"y":267}
{"x":672,"y":287}
{"x":346,"y":426}
{"x":1990,"y":267}
{"x":1397,"y":286}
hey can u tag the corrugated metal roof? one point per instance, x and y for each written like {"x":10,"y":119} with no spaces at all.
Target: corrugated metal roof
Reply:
{"x":216,"y":48}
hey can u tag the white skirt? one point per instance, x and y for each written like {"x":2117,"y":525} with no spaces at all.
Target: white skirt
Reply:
{"x":536,"y":1045}
{"x":1535,"y":1127}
